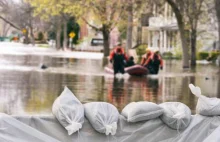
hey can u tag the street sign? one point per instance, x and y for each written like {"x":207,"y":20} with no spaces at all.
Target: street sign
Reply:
{"x":72,"y":35}
{"x":24,"y":31}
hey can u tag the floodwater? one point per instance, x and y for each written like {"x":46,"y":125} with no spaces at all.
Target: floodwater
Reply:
{"x":27,"y":89}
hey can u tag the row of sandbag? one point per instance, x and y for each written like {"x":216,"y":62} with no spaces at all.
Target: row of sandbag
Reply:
{"x":104,"y":116}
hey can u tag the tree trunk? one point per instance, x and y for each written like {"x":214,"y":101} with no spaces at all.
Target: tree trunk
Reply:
{"x":217,"y":5}
{"x":10,"y":23}
{"x":219,"y":43}
{"x":193,"y":47}
{"x":58,"y":33}
{"x":106,"y":33}
{"x":139,"y":35}
{"x":32,"y":36}
{"x":129,"y":28}
{"x":179,"y":18}
{"x":65,"y":40}
{"x":184,"y":42}
{"x":26,"y":40}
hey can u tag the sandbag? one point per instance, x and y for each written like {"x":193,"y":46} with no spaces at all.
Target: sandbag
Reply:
{"x":69,"y":111}
{"x":205,"y":106}
{"x":176,"y":115}
{"x":102,"y":116}
{"x":12,"y":130}
{"x":140,"y":111}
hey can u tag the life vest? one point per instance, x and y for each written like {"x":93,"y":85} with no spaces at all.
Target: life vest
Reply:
{"x":120,"y":51}
{"x":118,"y":59}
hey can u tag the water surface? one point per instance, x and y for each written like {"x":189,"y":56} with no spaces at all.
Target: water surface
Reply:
{"x":27,"y":89}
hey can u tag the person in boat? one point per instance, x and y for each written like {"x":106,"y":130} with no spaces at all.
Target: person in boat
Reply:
{"x":153,"y":62}
{"x":118,"y":58}
{"x":157,"y":62}
{"x":130,"y":62}
{"x":146,"y":57}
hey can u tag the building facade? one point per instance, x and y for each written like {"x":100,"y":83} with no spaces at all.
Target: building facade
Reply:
{"x":162,"y":31}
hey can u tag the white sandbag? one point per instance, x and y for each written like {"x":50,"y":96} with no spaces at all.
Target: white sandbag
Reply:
{"x":176,"y":115}
{"x":205,"y":106}
{"x":214,"y":136}
{"x":140,"y":111}
{"x":12,"y":130}
{"x":102,"y":116}
{"x":69,"y":111}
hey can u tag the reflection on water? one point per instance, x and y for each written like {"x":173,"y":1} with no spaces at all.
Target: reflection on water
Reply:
{"x":33,"y":91}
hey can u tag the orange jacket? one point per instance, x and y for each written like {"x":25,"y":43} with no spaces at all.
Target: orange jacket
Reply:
{"x":150,"y":57}
{"x":146,"y":59}
{"x":115,"y":51}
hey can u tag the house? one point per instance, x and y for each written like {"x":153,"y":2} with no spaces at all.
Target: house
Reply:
{"x":160,"y":29}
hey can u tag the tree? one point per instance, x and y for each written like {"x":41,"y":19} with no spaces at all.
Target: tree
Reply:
{"x":178,"y":10}
{"x":58,"y":13}
{"x":5,"y":29}
{"x":107,"y":13}
{"x":26,"y":21}
{"x":193,"y":10}
{"x":132,"y":18}
{"x":129,"y":25}
{"x":217,"y":8}
{"x":187,"y":13}
{"x":133,"y":8}
{"x":5,"y":12}
{"x":18,"y":15}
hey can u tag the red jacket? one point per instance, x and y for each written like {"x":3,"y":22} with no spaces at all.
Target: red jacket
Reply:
{"x":118,"y":49}
{"x":145,"y":61}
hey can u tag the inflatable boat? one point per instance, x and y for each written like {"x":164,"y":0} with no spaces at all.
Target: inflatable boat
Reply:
{"x":136,"y":70}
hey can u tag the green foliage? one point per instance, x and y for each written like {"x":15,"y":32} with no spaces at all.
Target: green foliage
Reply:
{"x":72,"y":26}
{"x":40,"y":36}
{"x":48,"y":8}
{"x":215,"y":54}
{"x":210,"y":56}
{"x":43,"y":45}
{"x":202,"y":55}
{"x":167,"y":55}
{"x":177,"y":53}
{"x":52,"y":34}
{"x":141,"y":50}
{"x":172,"y":55}
{"x":122,"y":29}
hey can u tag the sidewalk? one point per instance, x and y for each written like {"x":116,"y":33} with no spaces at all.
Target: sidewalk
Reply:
{"x":11,"y":48}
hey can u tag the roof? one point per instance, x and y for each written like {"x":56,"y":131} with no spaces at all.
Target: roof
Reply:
{"x":170,"y":27}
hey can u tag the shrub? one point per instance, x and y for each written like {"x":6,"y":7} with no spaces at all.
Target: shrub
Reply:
{"x":40,"y":36}
{"x":167,"y":55}
{"x":177,"y":53}
{"x":213,"y":55}
{"x":202,"y":55}
{"x":141,"y":50}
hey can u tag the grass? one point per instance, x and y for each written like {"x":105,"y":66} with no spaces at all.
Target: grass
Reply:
{"x":43,"y":45}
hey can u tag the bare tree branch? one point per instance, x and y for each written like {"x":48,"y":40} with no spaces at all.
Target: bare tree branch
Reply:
{"x":10,"y":23}
{"x":92,"y":26}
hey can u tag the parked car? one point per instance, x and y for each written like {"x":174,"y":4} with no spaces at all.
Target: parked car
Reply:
{"x":97,"y":42}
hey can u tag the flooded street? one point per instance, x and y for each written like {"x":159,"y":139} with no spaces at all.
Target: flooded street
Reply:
{"x":27,"y":89}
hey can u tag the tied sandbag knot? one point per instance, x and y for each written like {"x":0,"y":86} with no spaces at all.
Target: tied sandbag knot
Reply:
{"x":73,"y":127}
{"x":111,"y":128}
